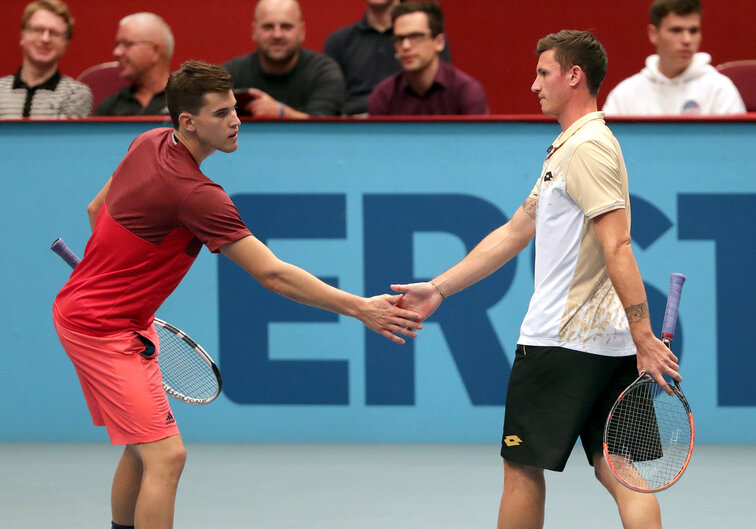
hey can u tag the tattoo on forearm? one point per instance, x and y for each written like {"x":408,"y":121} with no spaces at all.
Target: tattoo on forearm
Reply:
{"x":529,"y":207}
{"x":637,"y":313}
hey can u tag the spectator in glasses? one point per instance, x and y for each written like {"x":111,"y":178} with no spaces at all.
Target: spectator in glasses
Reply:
{"x":426,"y":84}
{"x":143,"y":48}
{"x":37,"y":89}
{"x":366,"y":54}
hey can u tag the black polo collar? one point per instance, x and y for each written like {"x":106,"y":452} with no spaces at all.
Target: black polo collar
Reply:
{"x":50,"y":84}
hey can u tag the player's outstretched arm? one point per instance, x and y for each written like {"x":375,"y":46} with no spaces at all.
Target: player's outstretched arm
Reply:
{"x":495,"y":250}
{"x":653,"y":356}
{"x":379,"y":313}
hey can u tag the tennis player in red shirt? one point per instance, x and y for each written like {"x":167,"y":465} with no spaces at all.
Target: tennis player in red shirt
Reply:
{"x":149,"y":223}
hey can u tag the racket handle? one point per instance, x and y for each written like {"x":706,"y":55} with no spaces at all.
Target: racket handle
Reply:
{"x":673,"y":304}
{"x":62,"y":249}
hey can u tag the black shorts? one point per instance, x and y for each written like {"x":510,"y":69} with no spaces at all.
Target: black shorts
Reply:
{"x":554,"y":396}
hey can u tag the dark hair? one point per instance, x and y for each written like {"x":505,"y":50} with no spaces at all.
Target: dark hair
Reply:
{"x":578,"y":48}
{"x":661,"y":8}
{"x":432,"y":9}
{"x":187,"y":86}
{"x":53,"y":6}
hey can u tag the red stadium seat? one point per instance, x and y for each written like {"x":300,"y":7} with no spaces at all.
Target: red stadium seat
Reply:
{"x":103,"y":79}
{"x":743,"y":74}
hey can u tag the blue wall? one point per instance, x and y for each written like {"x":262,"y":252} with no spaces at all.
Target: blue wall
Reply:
{"x":364,"y":204}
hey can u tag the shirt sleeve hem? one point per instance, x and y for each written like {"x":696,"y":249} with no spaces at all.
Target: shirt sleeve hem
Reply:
{"x":605,"y":209}
{"x":227,"y":239}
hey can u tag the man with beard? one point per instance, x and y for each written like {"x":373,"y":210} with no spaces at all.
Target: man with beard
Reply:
{"x":282,"y":78}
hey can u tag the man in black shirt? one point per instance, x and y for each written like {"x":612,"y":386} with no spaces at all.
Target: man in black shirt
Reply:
{"x":365,"y":53}
{"x":282,"y":78}
{"x":144,"y":47}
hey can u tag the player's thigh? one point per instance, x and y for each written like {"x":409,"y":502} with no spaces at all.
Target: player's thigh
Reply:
{"x":123,"y":387}
{"x":146,"y":415}
{"x":623,"y":374}
{"x":552,"y":391}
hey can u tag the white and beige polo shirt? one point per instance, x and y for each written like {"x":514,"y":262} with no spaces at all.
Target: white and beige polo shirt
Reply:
{"x":574,"y":304}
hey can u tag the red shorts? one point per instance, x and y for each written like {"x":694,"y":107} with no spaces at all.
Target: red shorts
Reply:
{"x":123,"y":388}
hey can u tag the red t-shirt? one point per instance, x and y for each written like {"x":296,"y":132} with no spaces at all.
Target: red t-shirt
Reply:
{"x":159,"y":211}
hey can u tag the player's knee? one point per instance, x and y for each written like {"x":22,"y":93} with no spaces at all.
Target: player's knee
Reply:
{"x":597,"y":474}
{"x":169,"y":461}
{"x":598,"y":470}
{"x":176,"y":459}
{"x":609,"y":483}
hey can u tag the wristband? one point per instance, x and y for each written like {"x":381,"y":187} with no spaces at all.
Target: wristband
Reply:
{"x":437,"y":289}
{"x":282,"y":109}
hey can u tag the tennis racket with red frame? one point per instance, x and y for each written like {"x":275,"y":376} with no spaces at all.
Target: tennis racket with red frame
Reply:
{"x":189,"y":373}
{"x":649,"y":435}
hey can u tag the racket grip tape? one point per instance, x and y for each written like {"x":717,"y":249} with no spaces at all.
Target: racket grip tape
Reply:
{"x":62,"y":249}
{"x":673,"y":304}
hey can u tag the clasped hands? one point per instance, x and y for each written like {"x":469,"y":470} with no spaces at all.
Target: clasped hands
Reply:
{"x":401,"y":314}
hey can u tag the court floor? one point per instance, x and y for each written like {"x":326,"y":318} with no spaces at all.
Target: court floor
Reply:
{"x":265,"y":486}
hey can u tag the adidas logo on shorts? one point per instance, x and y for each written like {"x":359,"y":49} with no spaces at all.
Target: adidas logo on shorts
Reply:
{"x":169,"y":419}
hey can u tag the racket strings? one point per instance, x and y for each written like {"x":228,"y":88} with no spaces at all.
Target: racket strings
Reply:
{"x":648,"y":437}
{"x":183,"y":368}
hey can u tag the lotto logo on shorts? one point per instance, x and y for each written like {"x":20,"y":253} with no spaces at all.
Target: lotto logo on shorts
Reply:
{"x":512,"y":440}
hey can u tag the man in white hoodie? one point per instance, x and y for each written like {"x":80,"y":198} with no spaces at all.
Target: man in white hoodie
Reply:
{"x":677,"y":79}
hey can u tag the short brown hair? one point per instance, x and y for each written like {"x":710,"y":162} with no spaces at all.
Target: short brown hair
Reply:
{"x":661,"y":8}
{"x":54,"y":6}
{"x":578,"y":48}
{"x":187,"y":86}
{"x":432,"y":9}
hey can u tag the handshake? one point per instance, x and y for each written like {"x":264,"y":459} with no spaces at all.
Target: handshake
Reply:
{"x":401,"y":314}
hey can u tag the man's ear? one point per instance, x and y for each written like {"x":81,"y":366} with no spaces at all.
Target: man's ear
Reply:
{"x":439,"y":42}
{"x":576,"y":75}
{"x":186,"y":122}
{"x":653,"y":34}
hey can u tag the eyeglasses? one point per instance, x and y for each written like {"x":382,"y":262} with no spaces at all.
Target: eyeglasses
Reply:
{"x":129,"y":43}
{"x":414,"y":38}
{"x":39,"y":31}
